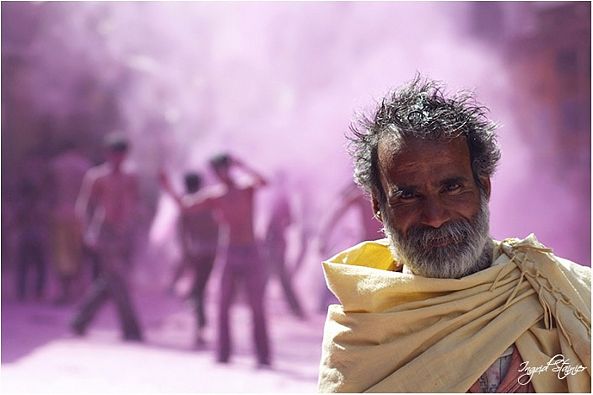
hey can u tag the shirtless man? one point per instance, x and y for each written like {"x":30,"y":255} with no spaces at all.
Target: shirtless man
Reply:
{"x":234,"y":206}
{"x":276,"y":244}
{"x":353,"y":198}
{"x":198,"y":237}
{"x":109,"y":197}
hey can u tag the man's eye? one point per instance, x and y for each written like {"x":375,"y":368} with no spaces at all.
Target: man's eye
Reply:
{"x":454,"y":187}
{"x":407,"y":195}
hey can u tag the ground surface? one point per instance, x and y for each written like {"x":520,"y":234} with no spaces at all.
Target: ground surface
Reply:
{"x":40,"y":355}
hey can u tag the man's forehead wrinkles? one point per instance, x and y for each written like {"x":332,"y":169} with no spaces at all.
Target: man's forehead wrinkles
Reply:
{"x":417,"y":170}
{"x":414,"y":181}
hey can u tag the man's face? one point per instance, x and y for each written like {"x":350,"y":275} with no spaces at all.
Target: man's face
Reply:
{"x":116,"y":157}
{"x":434,"y":214}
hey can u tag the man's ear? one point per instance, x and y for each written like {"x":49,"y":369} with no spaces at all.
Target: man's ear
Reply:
{"x":376,"y":207}
{"x":485,"y":181}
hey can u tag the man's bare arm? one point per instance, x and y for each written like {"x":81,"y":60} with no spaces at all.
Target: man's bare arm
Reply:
{"x":333,"y":220}
{"x":185,"y":205}
{"x":258,"y":180}
{"x":168,"y":188}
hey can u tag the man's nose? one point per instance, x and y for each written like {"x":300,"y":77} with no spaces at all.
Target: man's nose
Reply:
{"x":434,"y":212}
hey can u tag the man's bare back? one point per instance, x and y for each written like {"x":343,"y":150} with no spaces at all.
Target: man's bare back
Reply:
{"x":232,"y":203}
{"x":233,"y":206}
{"x":199,"y":227}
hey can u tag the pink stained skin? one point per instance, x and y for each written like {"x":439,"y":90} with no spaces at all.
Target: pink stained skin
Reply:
{"x":112,"y":189}
{"x":233,"y":203}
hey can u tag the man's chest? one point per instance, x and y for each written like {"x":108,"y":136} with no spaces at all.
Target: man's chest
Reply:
{"x":115,"y":187}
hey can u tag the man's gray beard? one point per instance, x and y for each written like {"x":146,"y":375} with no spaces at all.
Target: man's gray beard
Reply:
{"x":468,"y":251}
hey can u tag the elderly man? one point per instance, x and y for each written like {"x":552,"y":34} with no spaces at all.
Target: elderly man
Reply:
{"x":438,"y":306}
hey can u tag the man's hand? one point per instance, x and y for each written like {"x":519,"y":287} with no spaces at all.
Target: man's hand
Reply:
{"x":259,"y":180}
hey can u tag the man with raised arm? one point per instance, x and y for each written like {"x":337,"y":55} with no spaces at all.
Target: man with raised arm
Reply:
{"x":107,"y":207}
{"x":198,"y":233}
{"x":438,"y":305}
{"x":244,"y":268}
{"x":351,"y":198}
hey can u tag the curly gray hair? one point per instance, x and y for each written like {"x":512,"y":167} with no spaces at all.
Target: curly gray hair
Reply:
{"x":421,"y":109}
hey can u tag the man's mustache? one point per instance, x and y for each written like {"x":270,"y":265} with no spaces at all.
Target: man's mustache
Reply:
{"x":453,"y":232}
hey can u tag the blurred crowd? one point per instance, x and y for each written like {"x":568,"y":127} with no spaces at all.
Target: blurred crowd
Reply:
{"x":77,"y":226}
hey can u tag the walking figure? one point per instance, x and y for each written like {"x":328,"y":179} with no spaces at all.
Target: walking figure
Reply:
{"x":109,"y":197}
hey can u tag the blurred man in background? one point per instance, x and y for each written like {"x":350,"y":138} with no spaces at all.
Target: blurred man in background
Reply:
{"x":276,"y":242}
{"x":107,"y":207}
{"x":233,"y":204}
{"x":31,"y":222}
{"x":369,"y":227}
{"x":31,"y":219}
{"x":352,"y":198}
{"x":198,"y":233}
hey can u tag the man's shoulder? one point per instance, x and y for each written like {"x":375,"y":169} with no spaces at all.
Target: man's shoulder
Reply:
{"x":97,"y":172}
{"x":575,"y":272}
{"x":206,"y":194}
{"x":198,"y":197}
{"x":247,"y":186}
{"x":214,"y":191}
{"x":571,"y":269}
{"x":531,"y":242}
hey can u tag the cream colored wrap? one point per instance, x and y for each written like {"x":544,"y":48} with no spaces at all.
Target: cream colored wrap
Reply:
{"x":397,"y":332}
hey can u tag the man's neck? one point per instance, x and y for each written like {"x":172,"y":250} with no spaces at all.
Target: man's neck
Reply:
{"x":115,"y":169}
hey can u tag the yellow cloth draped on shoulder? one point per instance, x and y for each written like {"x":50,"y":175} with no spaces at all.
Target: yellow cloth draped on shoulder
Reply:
{"x":396,"y":332}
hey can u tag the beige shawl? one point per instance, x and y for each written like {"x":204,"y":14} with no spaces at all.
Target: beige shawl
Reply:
{"x":396,"y":332}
